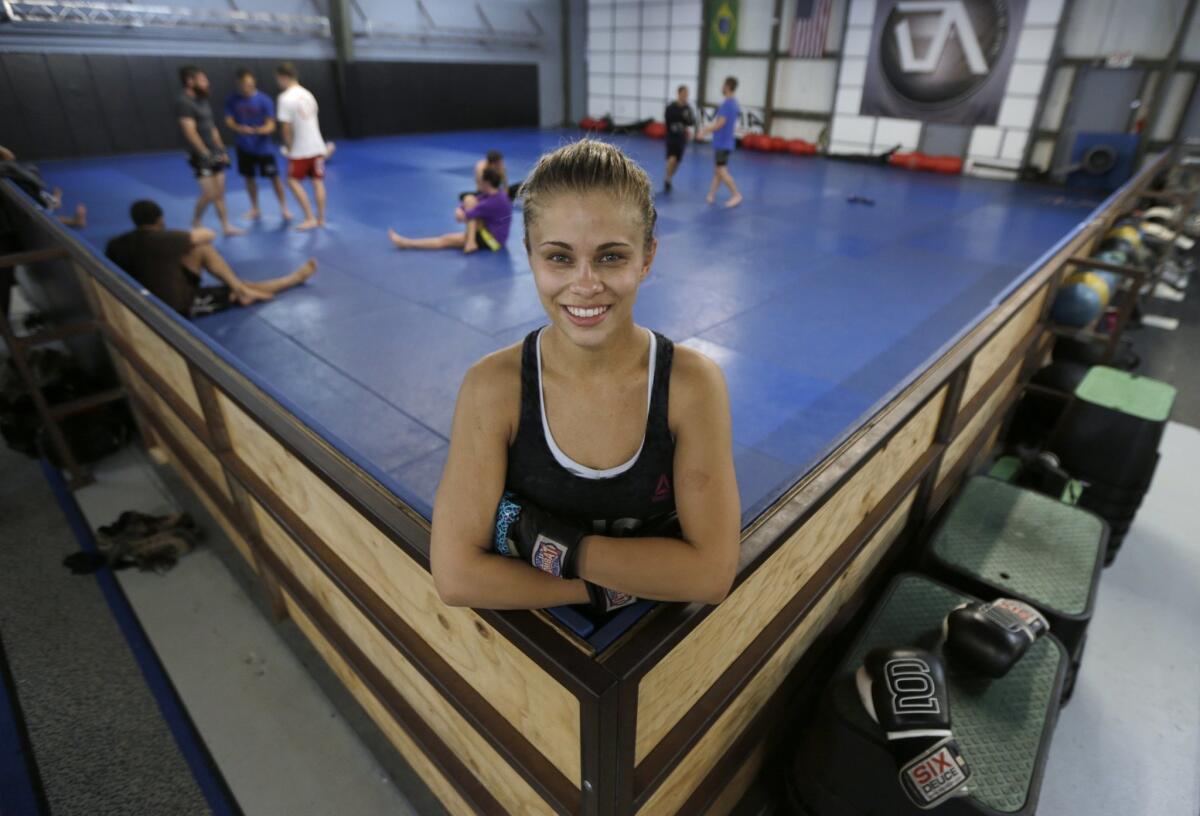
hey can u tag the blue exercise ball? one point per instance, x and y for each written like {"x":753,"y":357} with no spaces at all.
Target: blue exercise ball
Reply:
{"x":1076,"y":305}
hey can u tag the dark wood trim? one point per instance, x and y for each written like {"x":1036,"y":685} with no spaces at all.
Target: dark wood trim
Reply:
{"x":31,"y":257}
{"x":498,"y":732}
{"x":1139,"y":275}
{"x":1015,"y":359}
{"x":214,"y":419}
{"x":603,"y":768}
{"x":950,"y":483}
{"x":62,"y":410}
{"x":800,"y":693}
{"x":44,"y":336}
{"x":435,"y":750}
{"x":164,"y":391}
{"x":942,"y":436}
{"x":702,"y":80}
{"x":683,"y":736}
{"x":180,"y":452}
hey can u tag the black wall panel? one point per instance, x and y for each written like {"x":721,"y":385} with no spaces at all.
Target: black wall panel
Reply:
{"x":72,"y":79}
{"x":13,"y":131}
{"x":68,"y":105}
{"x":44,"y":115}
{"x":118,"y":103}
{"x":410,"y":97}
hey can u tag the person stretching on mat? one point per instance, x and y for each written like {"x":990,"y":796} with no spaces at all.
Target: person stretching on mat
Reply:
{"x":305,"y":148}
{"x":593,"y":429}
{"x":250,"y":114}
{"x":495,"y":160}
{"x":26,"y":176}
{"x":169,"y":263}
{"x":722,"y":129}
{"x":679,"y":118}
{"x":487,"y":216}
{"x":206,"y":151}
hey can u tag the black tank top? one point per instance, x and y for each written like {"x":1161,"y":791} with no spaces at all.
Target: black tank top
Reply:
{"x":636,"y":498}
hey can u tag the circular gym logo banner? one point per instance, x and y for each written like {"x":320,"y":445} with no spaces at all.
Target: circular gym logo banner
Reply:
{"x":941,"y":60}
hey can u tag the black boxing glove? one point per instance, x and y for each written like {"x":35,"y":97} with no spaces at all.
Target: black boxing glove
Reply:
{"x":991,"y":637}
{"x":526,"y":531}
{"x":904,"y":690}
{"x":604,"y":600}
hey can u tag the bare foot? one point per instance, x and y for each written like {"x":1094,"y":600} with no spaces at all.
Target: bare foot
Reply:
{"x":710,"y":198}
{"x":247,"y":295}
{"x":469,"y":248}
{"x":230,"y":230}
{"x":329,"y":148}
{"x":321,"y":224}
{"x":306,"y":225}
{"x":306,"y":271}
{"x":287,"y":215}
{"x":80,"y":216}
{"x":733,"y":202}
{"x":253,"y":215}
{"x":57,"y":196}
{"x":399,"y":240}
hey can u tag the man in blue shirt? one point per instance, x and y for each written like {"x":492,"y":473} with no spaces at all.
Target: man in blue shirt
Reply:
{"x":251,"y":115}
{"x":722,"y":129}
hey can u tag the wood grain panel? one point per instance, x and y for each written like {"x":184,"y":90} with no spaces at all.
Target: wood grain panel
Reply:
{"x":962,"y":443}
{"x":231,"y":530}
{"x":688,"y":775}
{"x":518,"y":688}
{"x":485,"y":764}
{"x":412,"y":753}
{"x":741,"y":782}
{"x":1002,"y":345}
{"x":111,"y":312}
{"x":196,"y":449}
{"x":669,"y":689}
{"x":153,"y":350}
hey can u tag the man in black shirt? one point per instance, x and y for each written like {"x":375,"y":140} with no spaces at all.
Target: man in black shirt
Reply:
{"x":169,"y":264}
{"x":679,"y":118}
{"x":206,"y":151}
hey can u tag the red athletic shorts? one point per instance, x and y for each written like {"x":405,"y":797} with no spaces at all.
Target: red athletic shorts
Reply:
{"x":312,"y":167}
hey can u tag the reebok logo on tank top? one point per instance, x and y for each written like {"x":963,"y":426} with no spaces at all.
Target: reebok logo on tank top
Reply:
{"x":662,"y":490}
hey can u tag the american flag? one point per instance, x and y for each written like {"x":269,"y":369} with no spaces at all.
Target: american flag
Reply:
{"x":808,"y":33}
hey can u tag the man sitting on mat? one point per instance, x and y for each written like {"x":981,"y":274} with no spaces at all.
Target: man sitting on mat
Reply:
{"x":487,"y":216}
{"x":169,"y":263}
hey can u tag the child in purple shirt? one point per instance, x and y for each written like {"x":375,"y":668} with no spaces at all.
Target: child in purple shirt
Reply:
{"x":487,"y":216}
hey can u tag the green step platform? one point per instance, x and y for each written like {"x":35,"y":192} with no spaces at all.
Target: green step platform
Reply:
{"x":1000,"y":540}
{"x":1003,"y":726}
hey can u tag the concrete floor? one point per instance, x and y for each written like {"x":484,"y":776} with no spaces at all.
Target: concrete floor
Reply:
{"x":284,"y":746}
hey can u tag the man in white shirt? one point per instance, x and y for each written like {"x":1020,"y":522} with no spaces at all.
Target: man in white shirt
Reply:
{"x":296,"y":112}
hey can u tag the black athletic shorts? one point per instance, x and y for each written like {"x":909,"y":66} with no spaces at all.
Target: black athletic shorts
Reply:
{"x":722,"y":157}
{"x":675,"y":147}
{"x":211,"y":299}
{"x":208,"y":166}
{"x":264,"y":163}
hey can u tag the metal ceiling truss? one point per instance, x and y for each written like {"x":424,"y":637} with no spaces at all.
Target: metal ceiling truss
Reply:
{"x":233,"y":19}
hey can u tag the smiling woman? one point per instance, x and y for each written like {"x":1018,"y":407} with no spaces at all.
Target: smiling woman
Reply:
{"x":606,"y":449}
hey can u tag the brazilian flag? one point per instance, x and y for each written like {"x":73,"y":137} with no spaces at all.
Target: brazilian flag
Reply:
{"x":722,"y":30}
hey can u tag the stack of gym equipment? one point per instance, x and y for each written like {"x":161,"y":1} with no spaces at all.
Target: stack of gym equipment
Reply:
{"x":949,"y":695}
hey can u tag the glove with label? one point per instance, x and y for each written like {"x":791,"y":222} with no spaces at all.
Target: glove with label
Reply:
{"x":607,"y":600}
{"x":904,"y":690}
{"x":525,"y":531}
{"x":991,"y":637}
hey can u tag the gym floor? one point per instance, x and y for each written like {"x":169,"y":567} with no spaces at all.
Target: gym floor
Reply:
{"x":868,"y":291}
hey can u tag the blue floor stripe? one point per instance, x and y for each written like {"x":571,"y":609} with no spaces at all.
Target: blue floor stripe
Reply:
{"x":20,"y":788}
{"x":208,"y":777}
